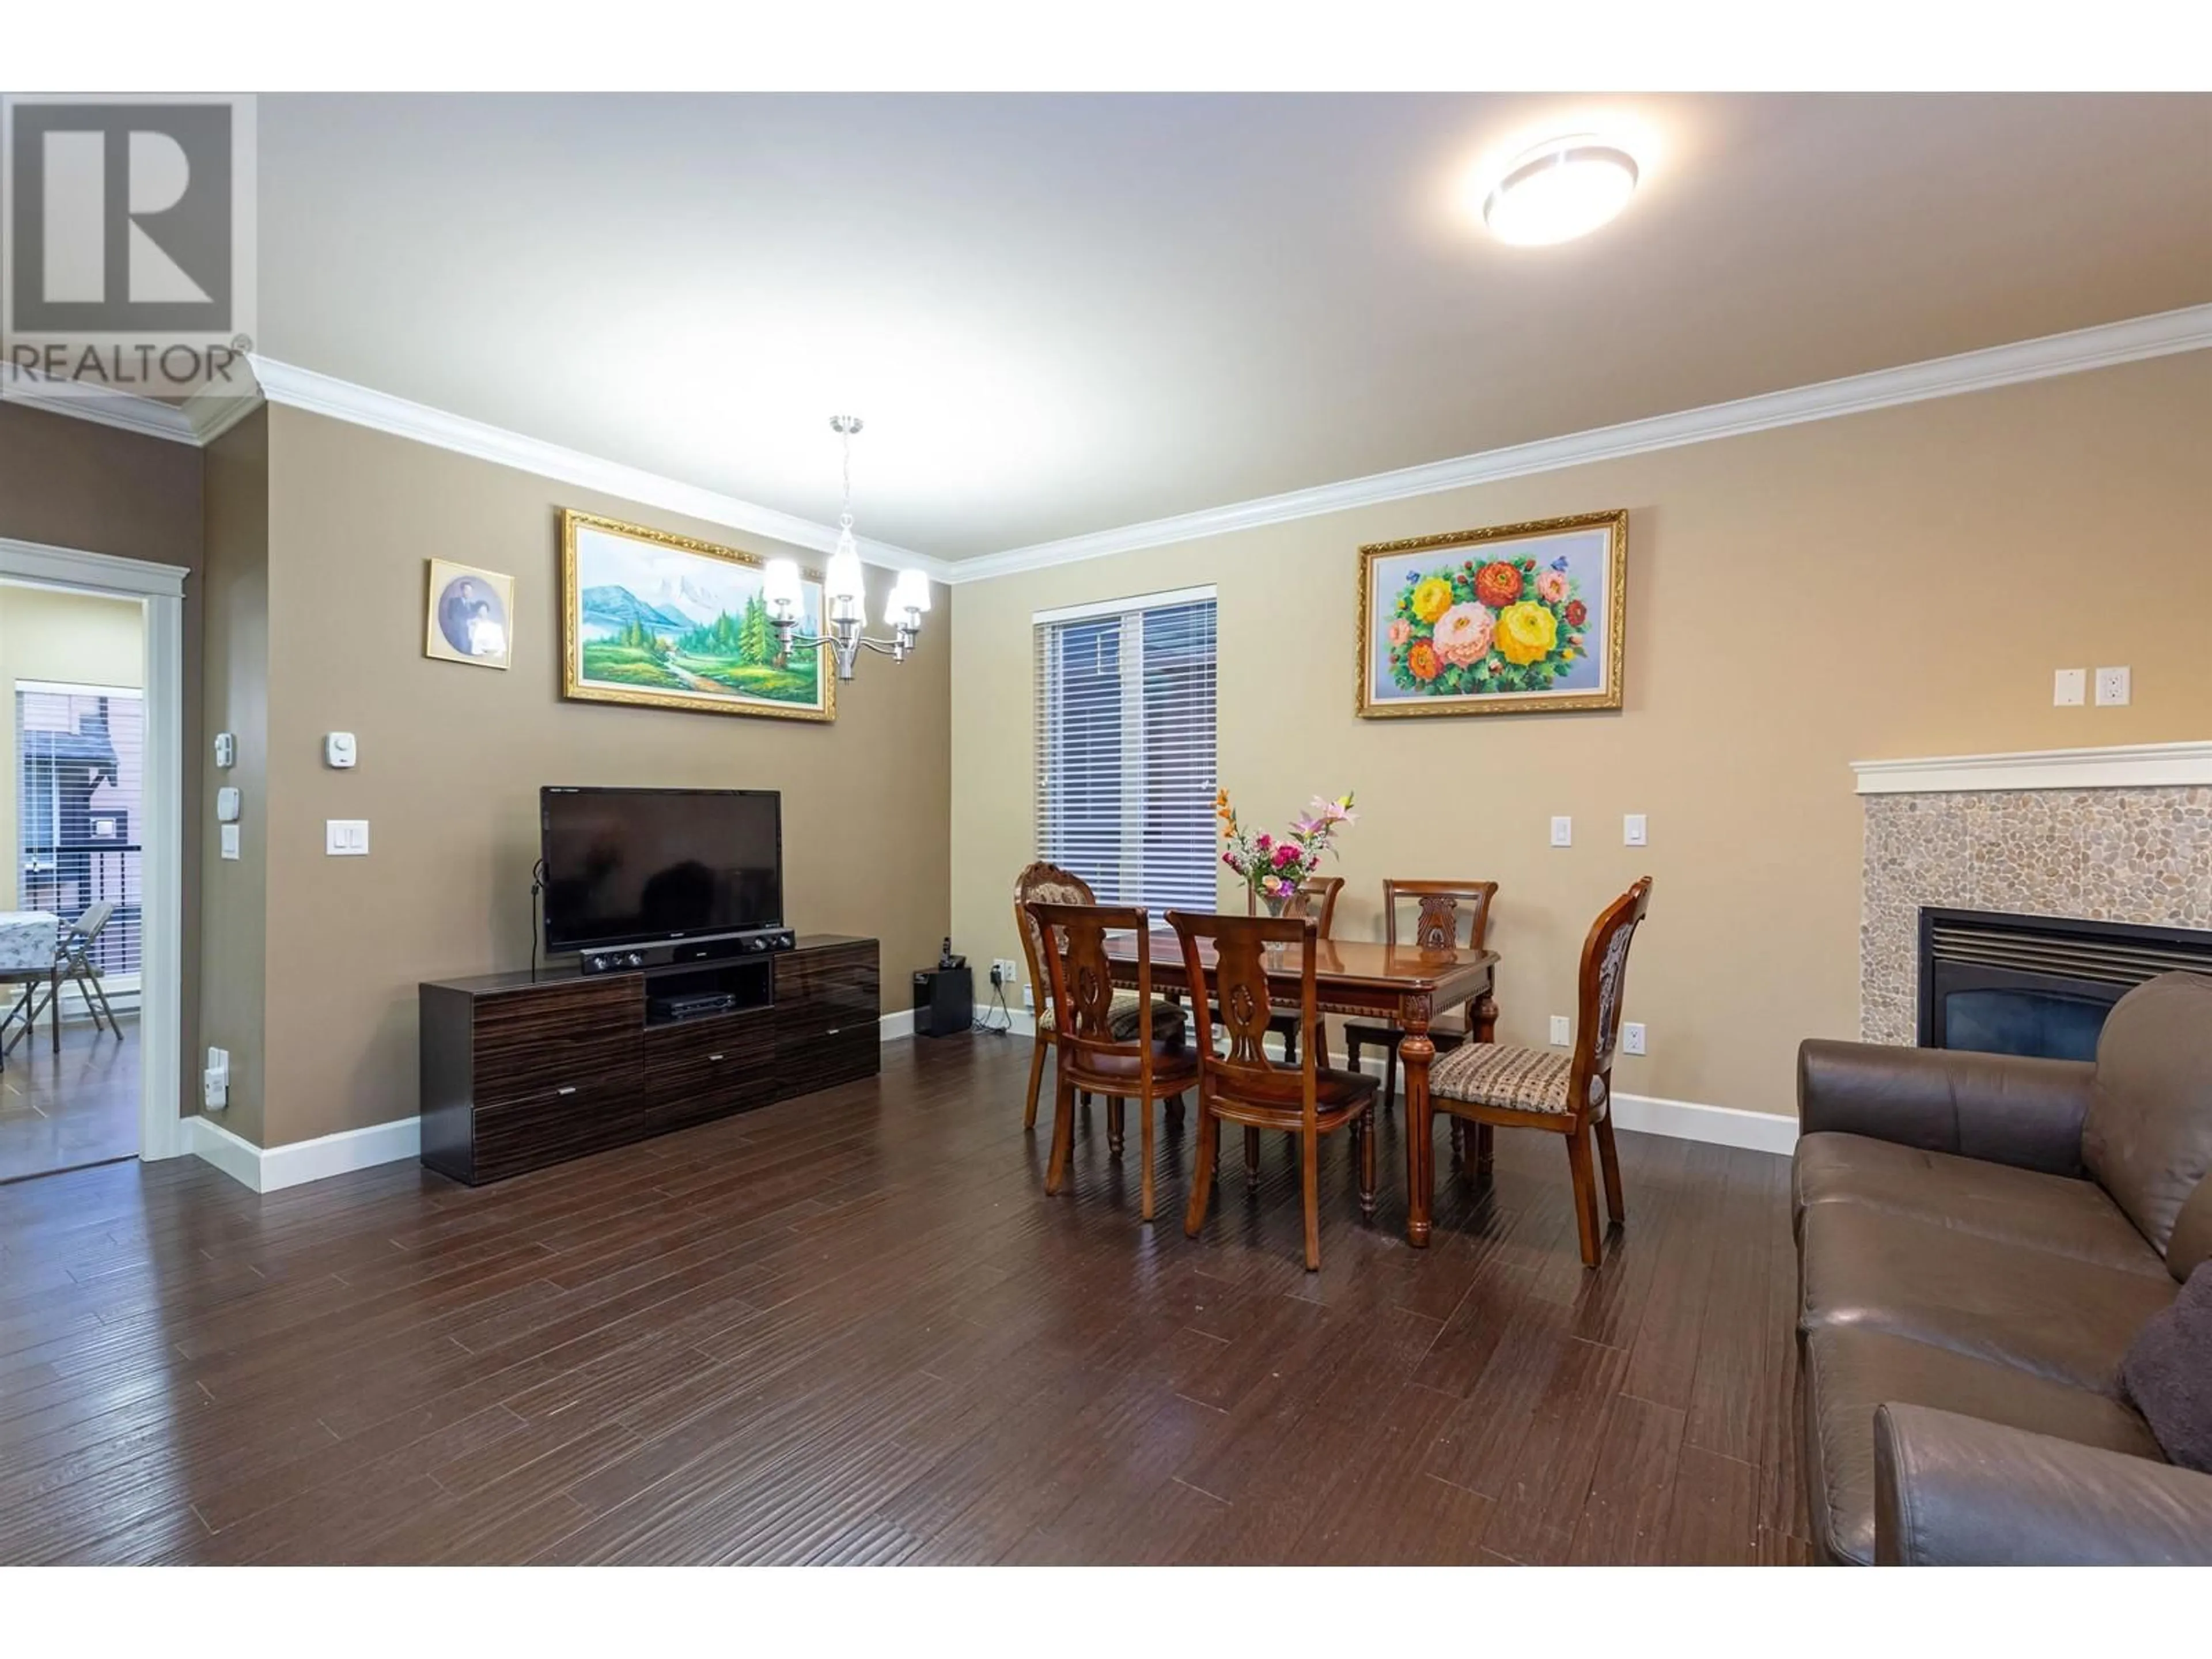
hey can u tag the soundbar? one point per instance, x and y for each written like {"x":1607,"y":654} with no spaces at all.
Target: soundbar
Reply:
{"x":633,"y":957}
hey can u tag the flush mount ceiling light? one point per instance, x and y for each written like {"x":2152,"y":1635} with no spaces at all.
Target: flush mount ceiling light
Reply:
{"x":1559,"y":190}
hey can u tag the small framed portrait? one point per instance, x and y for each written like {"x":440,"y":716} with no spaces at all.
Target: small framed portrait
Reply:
{"x":1522,"y":619}
{"x":471,"y":616}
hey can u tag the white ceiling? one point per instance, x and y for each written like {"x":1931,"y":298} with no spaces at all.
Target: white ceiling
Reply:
{"x":1064,"y":314}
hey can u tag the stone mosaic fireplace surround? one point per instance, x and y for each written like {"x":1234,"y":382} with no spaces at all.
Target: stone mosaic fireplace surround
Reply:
{"x":2104,"y":834}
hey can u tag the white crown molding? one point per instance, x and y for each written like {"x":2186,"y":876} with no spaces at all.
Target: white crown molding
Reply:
{"x":2124,"y":766}
{"x":88,"y":400}
{"x":321,"y":394}
{"x":2101,"y":347}
{"x":212,"y":414}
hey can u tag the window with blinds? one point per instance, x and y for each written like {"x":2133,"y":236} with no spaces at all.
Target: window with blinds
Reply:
{"x":1125,"y":709}
{"x":81,"y":767}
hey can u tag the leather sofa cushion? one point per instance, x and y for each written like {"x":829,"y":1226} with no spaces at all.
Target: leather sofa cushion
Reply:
{"x":1850,"y":1371}
{"x":1966,"y":1194}
{"x":2055,"y":1316}
{"x":2148,"y":1138}
{"x":2190,"y":1247}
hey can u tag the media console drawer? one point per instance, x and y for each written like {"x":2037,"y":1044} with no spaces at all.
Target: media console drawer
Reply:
{"x":521,"y":1071}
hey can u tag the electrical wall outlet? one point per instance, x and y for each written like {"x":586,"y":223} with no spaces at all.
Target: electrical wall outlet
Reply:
{"x":1562,"y":1032}
{"x":1632,"y":829}
{"x":1005,"y":971}
{"x":2113,"y":688}
{"x":1632,"y":1038}
{"x":214,"y":1080}
{"x":1029,"y":997}
{"x":1563,"y":832}
{"x":2068,"y":688}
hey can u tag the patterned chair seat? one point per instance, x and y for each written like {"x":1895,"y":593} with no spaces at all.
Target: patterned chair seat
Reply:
{"x":1497,"y":1074}
{"x":1122,"y":1019}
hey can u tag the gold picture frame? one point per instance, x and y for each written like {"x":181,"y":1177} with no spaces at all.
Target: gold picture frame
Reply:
{"x":1536,"y":625}
{"x":468,"y":615}
{"x":647,"y":619}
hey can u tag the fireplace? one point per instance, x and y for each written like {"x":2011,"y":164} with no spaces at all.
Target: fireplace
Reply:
{"x":2036,"y":985}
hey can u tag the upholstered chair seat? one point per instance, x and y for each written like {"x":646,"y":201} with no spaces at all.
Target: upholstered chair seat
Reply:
{"x":1500,"y":1075}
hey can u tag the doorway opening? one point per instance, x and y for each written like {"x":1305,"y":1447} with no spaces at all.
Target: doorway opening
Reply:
{"x":90,"y":855}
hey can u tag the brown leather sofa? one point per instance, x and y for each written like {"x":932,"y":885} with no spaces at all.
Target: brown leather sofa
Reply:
{"x":1979,"y":1238}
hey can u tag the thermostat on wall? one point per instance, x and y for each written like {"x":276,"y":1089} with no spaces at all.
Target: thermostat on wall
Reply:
{"x":338,"y":749}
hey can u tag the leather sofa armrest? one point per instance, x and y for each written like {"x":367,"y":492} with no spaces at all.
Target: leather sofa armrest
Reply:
{"x":2000,"y":1108}
{"x":1955,"y":1491}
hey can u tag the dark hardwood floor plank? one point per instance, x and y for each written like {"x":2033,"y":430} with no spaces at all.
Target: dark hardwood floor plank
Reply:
{"x":851,"y":1328}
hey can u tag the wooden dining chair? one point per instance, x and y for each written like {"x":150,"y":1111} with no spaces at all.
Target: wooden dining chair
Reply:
{"x":1571,"y":1093}
{"x":1443,"y":911}
{"x":1317,"y":897}
{"x":1145,"y":1065}
{"x":1048,"y":884}
{"x":1242,"y":1085}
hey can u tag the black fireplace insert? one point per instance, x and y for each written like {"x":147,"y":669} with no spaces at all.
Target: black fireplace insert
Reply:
{"x":2037,"y":985}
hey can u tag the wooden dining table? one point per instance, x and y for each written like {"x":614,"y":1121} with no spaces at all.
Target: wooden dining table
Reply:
{"x":1402,"y":984}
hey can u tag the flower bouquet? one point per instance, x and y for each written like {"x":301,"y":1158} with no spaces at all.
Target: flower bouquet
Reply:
{"x":1508,"y":625}
{"x":1275,"y":869}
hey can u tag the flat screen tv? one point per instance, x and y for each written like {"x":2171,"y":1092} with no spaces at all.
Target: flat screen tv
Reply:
{"x":629,"y":867}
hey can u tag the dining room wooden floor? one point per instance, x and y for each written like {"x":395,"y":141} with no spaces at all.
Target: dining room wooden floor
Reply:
{"x":850,"y":1327}
{"x":62,"y":1108}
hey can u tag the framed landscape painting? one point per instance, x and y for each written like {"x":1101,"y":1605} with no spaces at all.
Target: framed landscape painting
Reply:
{"x":1523,"y":619}
{"x":664,"y":620}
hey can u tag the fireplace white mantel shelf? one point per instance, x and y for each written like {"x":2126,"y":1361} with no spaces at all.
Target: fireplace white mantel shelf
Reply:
{"x":2121,"y":766}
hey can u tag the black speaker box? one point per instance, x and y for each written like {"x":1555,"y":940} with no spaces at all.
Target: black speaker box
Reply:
{"x":943,"y":1001}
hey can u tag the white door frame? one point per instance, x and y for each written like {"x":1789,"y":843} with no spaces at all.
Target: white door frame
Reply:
{"x":160,"y":588}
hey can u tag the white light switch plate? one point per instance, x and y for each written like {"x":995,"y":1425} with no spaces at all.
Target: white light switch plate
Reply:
{"x":2068,"y":688}
{"x":1563,"y":832}
{"x":230,"y":840}
{"x":346,"y":837}
{"x":1632,"y":829}
{"x":2113,"y":688}
{"x":1632,"y":1038}
{"x":1562,"y":1032}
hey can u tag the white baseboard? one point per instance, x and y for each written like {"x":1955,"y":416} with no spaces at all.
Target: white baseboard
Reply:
{"x":1692,"y":1119}
{"x":891,"y":1027}
{"x":1680,"y":1119}
{"x":272,"y":1168}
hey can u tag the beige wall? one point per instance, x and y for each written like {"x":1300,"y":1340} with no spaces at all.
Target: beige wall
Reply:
{"x":1893,"y":583}
{"x":232,"y":949}
{"x":77,"y":638}
{"x":452,"y":757}
{"x":72,"y":484}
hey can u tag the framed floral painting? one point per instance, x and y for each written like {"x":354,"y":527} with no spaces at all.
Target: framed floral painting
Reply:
{"x":1523,"y":619}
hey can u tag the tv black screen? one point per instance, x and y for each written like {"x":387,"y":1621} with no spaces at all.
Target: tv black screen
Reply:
{"x":628,"y":866}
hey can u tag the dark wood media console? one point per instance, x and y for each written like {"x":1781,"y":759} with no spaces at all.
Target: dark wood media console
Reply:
{"x":519,"y":1072}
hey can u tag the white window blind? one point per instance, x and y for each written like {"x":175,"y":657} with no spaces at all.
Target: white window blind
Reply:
{"x":80,"y":760}
{"x":1125,"y":750}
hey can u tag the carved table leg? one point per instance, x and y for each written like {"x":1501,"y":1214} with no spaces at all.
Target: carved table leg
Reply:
{"x":1416,"y":1051}
{"x":1251,"y":1158}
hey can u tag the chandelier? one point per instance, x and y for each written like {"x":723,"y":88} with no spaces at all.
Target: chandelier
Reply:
{"x":844,"y":597}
